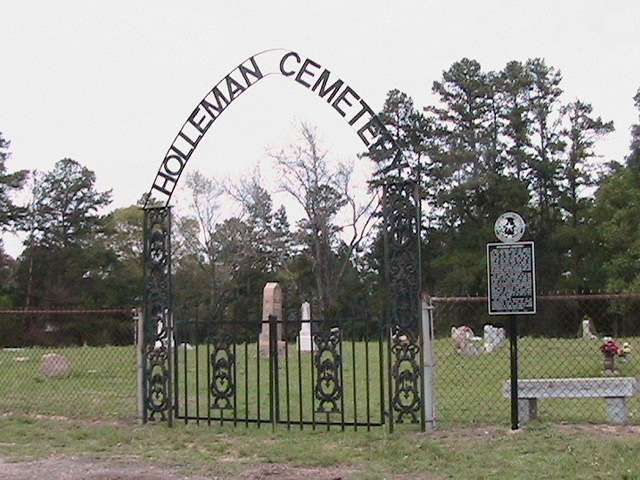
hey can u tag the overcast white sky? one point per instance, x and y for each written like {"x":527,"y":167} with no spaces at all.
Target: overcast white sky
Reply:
{"x":110,"y":83}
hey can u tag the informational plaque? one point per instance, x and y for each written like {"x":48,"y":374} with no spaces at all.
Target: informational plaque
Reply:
{"x":512,"y":278}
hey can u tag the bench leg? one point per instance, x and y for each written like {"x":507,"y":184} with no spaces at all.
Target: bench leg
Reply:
{"x":617,"y":410}
{"x":527,"y":410}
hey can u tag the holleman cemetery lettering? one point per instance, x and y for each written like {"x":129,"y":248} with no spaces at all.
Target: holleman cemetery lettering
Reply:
{"x":306,"y":72}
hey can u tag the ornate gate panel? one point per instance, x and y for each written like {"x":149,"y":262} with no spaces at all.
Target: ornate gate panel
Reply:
{"x":403,"y":286}
{"x":158,"y":328}
{"x":334,"y":379}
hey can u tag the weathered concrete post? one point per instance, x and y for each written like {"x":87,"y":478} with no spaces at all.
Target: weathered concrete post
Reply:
{"x":429,"y":363}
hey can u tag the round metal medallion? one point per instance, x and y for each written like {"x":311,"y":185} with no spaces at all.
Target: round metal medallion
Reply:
{"x":509,"y":227}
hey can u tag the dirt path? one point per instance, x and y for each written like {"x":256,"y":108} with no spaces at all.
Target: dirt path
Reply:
{"x":70,"y":468}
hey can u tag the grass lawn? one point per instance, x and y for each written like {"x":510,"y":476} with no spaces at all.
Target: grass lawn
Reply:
{"x":537,"y":452}
{"x":468,"y":389}
{"x":102,"y":383}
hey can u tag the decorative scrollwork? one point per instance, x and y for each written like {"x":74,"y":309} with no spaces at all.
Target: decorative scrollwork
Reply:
{"x":402,"y":261}
{"x":221,"y":386}
{"x":327,"y":360}
{"x":157,"y":311}
{"x":405,"y":373}
{"x":157,"y":383}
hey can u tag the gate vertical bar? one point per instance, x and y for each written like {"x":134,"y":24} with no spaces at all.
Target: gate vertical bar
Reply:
{"x":274,"y":406}
{"x":158,"y":316}
{"x":421,"y":330}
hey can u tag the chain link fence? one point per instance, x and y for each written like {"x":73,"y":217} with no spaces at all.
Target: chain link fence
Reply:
{"x":82,"y":363}
{"x":578,"y":360}
{"x":71,"y":363}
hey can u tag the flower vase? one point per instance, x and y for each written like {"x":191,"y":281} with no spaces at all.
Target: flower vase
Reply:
{"x":609,"y":364}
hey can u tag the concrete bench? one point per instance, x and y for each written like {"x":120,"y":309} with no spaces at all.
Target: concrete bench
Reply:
{"x":615,"y":389}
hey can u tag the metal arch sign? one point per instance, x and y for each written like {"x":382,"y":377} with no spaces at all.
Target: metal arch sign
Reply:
{"x":308,"y":73}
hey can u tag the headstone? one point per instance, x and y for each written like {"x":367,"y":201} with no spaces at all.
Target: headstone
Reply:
{"x":305,"y":328}
{"x":493,"y":338}
{"x":458,"y":334}
{"x":55,"y":365}
{"x":587,"y":331}
{"x":465,"y":341}
{"x":271,"y":306}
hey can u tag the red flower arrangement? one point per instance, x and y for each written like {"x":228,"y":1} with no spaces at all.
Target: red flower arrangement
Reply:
{"x":610,"y":348}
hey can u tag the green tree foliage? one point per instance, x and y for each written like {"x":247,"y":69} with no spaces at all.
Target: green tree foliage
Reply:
{"x":615,"y":221}
{"x":616,"y":215}
{"x":10,"y":213}
{"x":495,"y":141}
{"x":65,"y":261}
{"x":478,"y":120}
{"x":580,"y":172}
{"x":121,"y":238}
{"x":324,"y":191}
{"x":7,"y":272}
{"x":224,"y":264}
{"x":633,"y":159}
{"x":66,"y":206}
{"x":490,"y":142}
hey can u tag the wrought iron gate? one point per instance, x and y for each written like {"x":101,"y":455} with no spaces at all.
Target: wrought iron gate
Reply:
{"x":358,"y":373}
{"x":225,"y":375}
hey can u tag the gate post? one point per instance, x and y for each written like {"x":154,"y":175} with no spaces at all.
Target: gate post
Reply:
{"x":402,"y":218}
{"x":139,"y":341}
{"x":158,"y":316}
{"x":428,"y":362}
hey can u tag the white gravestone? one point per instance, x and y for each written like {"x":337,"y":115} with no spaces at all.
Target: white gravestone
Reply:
{"x":494,"y":338}
{"x":305,"y":328}
{"x":586,"y":330}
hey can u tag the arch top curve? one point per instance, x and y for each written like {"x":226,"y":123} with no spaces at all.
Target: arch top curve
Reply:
{"x":312,"y":75}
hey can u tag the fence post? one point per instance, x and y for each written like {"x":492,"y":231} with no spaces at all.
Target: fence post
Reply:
{"x":138,"y":319}
{"x":428,"y":361}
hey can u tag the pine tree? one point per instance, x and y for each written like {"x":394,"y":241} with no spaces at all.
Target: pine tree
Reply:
{"x":633,"y":159}
{"x":10,"y":213}
{"x":515,"y":84}
{"x":66,"y":207}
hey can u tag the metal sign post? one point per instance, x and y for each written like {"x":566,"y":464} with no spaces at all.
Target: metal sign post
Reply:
{"x":513,"y":343}
{"x":511,"y":282}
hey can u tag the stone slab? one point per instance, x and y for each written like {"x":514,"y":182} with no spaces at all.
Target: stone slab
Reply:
{"x":597,"y":387}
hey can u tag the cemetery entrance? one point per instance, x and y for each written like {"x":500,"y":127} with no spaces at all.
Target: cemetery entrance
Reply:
{"x":288,"y":367}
